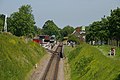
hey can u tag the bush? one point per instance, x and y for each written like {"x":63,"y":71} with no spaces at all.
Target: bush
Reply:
{"x":74,"y":39}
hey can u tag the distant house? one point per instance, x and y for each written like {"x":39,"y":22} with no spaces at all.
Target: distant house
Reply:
{"x":80,"y":33}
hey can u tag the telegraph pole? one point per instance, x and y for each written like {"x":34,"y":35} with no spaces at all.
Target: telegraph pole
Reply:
{"x":5,"y":24}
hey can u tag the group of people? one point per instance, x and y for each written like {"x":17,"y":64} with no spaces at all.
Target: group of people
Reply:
{"x":112,"y":52}
{"x":71,"y":43}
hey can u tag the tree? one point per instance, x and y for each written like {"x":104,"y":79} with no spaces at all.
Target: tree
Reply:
{"x":74,"y":39}
{"x":2,"y":18}
{"x":114,"y":25}
{"x":21,"y":23}
{"x":94,"y":31}
{"x":108,"y":29}
{"x":38,"y":31}
{"x":97,"y":31}
{"x":67,"y":30}
{"x":105,"y":34}
{"x":50,"y":28}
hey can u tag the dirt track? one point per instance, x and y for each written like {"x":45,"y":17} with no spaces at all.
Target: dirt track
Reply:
{"x":38,"y":73}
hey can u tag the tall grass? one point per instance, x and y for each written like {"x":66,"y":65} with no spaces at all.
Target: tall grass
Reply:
{"x":17,"y":57}
{"x":88,"y":63}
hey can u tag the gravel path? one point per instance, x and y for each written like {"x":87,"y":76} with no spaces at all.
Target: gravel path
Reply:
{"x":67,"y":70}
{"x":39,"y":71}
{"x":61,"y":70}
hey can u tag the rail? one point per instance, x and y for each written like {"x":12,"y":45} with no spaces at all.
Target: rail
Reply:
{"x":51,"y":70}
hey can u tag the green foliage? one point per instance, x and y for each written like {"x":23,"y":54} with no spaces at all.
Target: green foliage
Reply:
{"x":50,"y":28}
{"x":21,"y":23}
{"x":2,"y":17}
{"x":94,"y":31}
{"x":89,"y":63}
{"x":114,"y":23}
{"x":38,"y":31}
{"x":74,"y":39}
{"x":97,"y":31}
{"x":67,"y":30}
{"x":17,"y":57}
{"x":106,"y":29}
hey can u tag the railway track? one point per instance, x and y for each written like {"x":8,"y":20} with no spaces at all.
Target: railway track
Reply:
{"x":51,"y":71}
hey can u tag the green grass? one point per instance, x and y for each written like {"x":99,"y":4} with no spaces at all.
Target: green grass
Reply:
{"x":67,"y":71}
{"x":89,"y":63}
{"x":68,"y":49}
{"x":17,"y":57}
{"x":106,"y":48}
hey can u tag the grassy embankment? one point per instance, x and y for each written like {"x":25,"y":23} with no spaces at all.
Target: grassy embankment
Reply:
{"x":67,"y":70}
{"x":88,"y":63}
{"x":105,"y":49}
{"x":17,"y":57}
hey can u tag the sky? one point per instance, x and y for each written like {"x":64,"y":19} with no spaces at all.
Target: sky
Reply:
{"x":63,"y":12}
